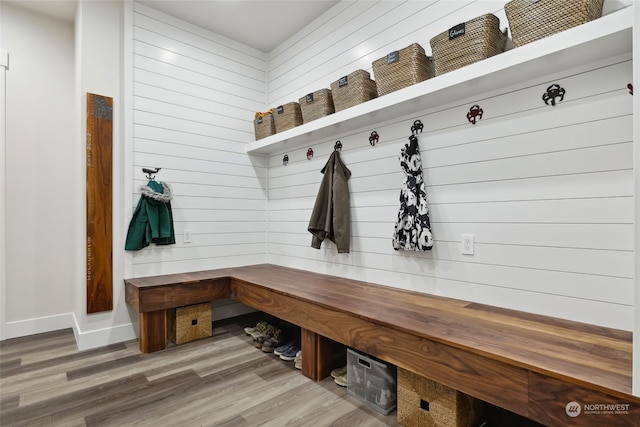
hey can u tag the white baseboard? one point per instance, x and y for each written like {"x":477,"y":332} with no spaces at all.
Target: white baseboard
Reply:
{"x":22,"y":328}
{"x":84,"y":340}
{"x":103,"y":337}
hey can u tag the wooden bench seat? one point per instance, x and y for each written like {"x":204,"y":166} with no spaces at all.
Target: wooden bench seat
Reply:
{"x":529,"y":364}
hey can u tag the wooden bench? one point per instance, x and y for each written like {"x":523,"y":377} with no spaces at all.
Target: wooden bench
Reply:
{"x":529,"y":364}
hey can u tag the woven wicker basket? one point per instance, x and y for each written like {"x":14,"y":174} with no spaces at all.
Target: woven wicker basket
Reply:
{"x":287,"y":116}
{"x":264,"y":126}
{"x":468,"y":42}
{"x":317,"y":104}
{"x":426,"y":403}
{"x":353,"y":89}
{"x":189,"y":323}
{"x":532,"y":20}
{"x":401,"y":68}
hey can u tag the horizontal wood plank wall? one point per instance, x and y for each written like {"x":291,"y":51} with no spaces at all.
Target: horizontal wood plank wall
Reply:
{"x":194,"y":95}
{"x":546,"y":191}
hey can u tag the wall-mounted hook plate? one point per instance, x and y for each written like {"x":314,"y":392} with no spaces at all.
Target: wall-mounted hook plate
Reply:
{"x":474,"y":114}
{"x":416,"y":127}
{"x":554,"y":91}
{"x":373,"y":138}
{"x":150,"y":173}
{"x":630,"y":87}
{"x":338,"y":146}
{"x":285,"y":160}
{"x":309,"y":154}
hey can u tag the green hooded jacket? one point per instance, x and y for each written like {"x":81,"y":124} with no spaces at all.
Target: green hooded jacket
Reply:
{"x":152,"y":220}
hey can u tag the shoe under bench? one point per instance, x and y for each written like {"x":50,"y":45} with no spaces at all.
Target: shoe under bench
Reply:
{"x":529,"y":364}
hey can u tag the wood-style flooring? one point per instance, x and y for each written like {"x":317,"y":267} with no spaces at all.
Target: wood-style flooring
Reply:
{"x":217,"y":381}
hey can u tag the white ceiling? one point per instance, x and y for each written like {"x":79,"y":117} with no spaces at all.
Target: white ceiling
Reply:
{"x":261,"y":24}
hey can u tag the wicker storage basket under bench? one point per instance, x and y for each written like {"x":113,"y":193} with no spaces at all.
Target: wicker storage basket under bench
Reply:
{"x":532,"y":20}
{"x":353,"y":89}
{"x":468,"y":42}
{"x":423,"y":402}
{"x":189,"y":323}
{"x":401,"y":69}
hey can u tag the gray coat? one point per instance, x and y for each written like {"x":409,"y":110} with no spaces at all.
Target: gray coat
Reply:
{"x":331,"y":216}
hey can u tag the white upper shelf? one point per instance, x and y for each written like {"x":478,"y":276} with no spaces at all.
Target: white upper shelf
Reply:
{"x":606,"y":37}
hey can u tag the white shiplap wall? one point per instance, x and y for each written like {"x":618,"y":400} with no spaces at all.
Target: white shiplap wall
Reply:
{"x":546,"y":191}
{"x":193,"y":93}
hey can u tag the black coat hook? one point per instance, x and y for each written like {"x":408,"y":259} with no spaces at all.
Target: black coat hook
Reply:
{"x":309,"y":154}
{"x":554,"y":91}
{"x":416,"y":127}
{"x":630,"y":87}
{"x":150,"y":173}
{"x":338,"y":146}
{"x":285,"y":160}
{"x":373,"y":138}
{"x":475,"y":113}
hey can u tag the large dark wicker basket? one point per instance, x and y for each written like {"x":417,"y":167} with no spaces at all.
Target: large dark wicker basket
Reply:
{"x":468,"y":42}
{"x":533,"y":20}
{"x":401,"y":69}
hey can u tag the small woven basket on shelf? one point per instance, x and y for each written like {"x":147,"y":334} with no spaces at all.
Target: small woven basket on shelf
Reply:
{"x":401,"y":69}
{"x":264,"y":126}
{"x":468,"y":42}
{"x":532,"y":20}
{"x":317,"y":104}
{"x":287,"y":116}
{"x":353,"y":89}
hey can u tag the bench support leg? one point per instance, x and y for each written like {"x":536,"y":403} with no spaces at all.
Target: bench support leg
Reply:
{"x":317,"y":355}
{"x":153,"y":331}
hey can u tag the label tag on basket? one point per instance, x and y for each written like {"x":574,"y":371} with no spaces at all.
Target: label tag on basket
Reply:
{"x":456,"y":31}
{"x":260,"y":120}
{"x":309,"y":98}
{"x":343,"y":81}
{"x":280,"y":109}
{"x":393,"y":57}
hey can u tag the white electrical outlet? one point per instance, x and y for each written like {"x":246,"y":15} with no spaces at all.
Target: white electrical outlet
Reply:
{"x":467,"y":244}
{"x":186,"y":235}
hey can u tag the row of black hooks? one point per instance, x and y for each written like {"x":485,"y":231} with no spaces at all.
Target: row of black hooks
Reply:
{"x":373,"y":139}
{"x":553,"y":95}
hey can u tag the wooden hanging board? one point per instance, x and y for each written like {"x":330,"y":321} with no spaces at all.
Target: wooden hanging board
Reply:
{"x":99,"y":207}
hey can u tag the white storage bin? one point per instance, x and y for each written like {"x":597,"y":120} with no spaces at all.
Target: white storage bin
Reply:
{"x":371,"y":381}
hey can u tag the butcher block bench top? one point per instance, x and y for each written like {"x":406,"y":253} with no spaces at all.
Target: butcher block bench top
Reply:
{"x":531,"y":364}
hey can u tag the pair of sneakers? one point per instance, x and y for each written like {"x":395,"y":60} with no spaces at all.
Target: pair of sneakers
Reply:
{"x":265,"y":336}
{"x":257,"y":330}
{"x":298,"y":360}
{"x":340,"y":376}
{"x":290,"y":351}
{"x":269,"y":343}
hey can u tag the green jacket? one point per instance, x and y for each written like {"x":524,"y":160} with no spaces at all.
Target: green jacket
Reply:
{"x":152,"y":220}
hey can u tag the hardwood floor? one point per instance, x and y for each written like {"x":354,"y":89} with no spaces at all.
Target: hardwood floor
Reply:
{"x":217,"y":381}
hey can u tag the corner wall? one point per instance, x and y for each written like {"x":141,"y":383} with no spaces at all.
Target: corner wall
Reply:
{"x":546,"y":191}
